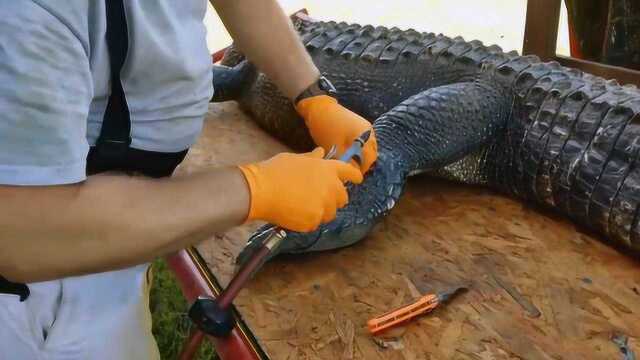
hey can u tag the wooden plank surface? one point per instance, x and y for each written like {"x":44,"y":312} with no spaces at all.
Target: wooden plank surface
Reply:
{"x":514,"y":258}
{"x":621,"y":74}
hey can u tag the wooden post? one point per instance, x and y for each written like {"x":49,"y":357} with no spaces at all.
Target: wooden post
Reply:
{"x":541,"y":28}
{"x":541,"y":36}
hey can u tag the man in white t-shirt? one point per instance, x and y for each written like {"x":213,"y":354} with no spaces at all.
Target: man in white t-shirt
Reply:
{"x":107,"y":87}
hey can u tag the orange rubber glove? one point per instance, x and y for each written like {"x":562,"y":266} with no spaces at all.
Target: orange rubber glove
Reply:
{"x":298,"y":191}
{"x":331,"y":124}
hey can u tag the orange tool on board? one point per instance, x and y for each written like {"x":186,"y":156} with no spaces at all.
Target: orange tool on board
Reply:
{"x":421,"y":306}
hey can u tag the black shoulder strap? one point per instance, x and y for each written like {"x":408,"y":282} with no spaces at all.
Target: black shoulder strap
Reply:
{"x":112,"y":147}
{"x":112,"y":150}
{"x":115,"y":136}
{"x":8,"y":287}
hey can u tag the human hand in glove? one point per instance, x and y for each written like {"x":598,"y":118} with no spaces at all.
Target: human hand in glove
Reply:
{"x":331,"y":124}
{"x":298,"y":191}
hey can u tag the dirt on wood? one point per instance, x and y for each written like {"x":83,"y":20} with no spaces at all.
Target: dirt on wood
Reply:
{"x":539,"y":288}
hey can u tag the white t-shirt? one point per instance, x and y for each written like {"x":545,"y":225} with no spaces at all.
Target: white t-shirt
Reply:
{"x":54,"y":82}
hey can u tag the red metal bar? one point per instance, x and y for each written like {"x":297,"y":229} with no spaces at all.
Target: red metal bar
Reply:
{"x":192,"y":345}
{"x":240,"y":279}
{"x":194,"y":283}
{"x":217,"y":56}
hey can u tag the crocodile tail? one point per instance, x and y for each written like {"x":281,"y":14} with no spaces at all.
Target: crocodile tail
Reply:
{"x":574,"y":147}
{"x":443,"y":124}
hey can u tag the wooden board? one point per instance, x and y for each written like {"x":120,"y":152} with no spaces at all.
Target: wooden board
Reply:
{"x":516,"y":260}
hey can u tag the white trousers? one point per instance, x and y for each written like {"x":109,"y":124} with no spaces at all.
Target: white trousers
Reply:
{"x":98,"y":317}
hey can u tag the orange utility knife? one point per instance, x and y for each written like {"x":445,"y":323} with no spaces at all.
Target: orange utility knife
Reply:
{"x":421,"y":306}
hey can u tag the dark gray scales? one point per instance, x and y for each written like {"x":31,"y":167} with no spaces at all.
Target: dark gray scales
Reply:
{"x":543,"y":133}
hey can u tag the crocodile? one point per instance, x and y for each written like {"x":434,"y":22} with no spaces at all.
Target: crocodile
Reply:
{"x":536,"y":131}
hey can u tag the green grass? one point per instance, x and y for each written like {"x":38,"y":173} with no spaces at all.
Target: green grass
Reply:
{"x":171,"y":325}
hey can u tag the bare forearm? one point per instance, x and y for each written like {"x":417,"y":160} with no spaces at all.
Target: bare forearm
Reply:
{"x":265,"y":35}
{"x":112,"y":221}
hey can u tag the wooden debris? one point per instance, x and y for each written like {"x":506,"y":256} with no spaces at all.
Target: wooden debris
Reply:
{"x":349,"y":333}
{"x":259,"y":312}
{"x":527,"y":305}
{"x":433,"y":237}
{"x":448,"y":339}
{"x":622,"y":342}
{"x":395,"y":344}
{"x":412,"y":288}
{"x":320,"y":345}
